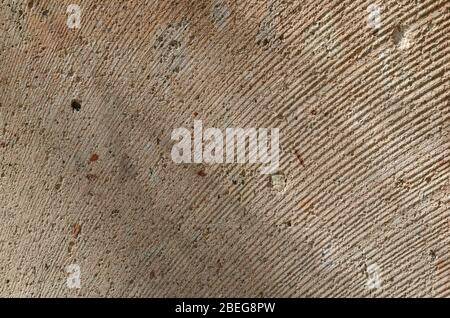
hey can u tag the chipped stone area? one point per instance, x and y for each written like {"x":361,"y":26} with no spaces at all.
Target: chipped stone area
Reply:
{"x":278,"y":182}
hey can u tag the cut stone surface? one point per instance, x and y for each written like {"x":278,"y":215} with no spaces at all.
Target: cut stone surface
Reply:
{"x":92,"y":203}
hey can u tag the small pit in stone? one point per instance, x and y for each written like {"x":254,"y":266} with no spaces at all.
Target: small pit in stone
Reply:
{"x":401,"y":37}
{"x":76,"y":105}
{"x":93,"y":158}
{"x":278,"y":182}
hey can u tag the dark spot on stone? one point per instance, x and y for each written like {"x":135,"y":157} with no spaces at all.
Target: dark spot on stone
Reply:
{"x":3,"y":144}
{"x":433,"y":255}
{"x":300,"y":159}
{"x":30,"y":4}
{"x":174,"y":44}
{"x":152,"y":275}
{"x":91,"y":177}
{"x":76,"y":105}
{"x":93,"y":158}
{"x":398,"y":34}
{"x":69,"y":248}
{"x":201,"y":173}
{"x":45,"y":13}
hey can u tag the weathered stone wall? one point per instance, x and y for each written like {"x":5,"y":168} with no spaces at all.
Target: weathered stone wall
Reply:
{"x":358,"y":89}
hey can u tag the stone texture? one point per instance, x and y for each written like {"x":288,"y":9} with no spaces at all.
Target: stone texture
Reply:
{"x":87,"y":178}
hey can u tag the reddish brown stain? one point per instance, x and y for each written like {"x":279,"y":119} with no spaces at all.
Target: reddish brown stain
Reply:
{"x":76,"y":230}
{"x":94,"y":158}
{"x":201,"y":173}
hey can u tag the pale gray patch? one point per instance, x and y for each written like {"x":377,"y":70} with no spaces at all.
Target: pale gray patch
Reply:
{"x":373,"y":276}
{"x":267,"y":36}
{"x":220,"y":12}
